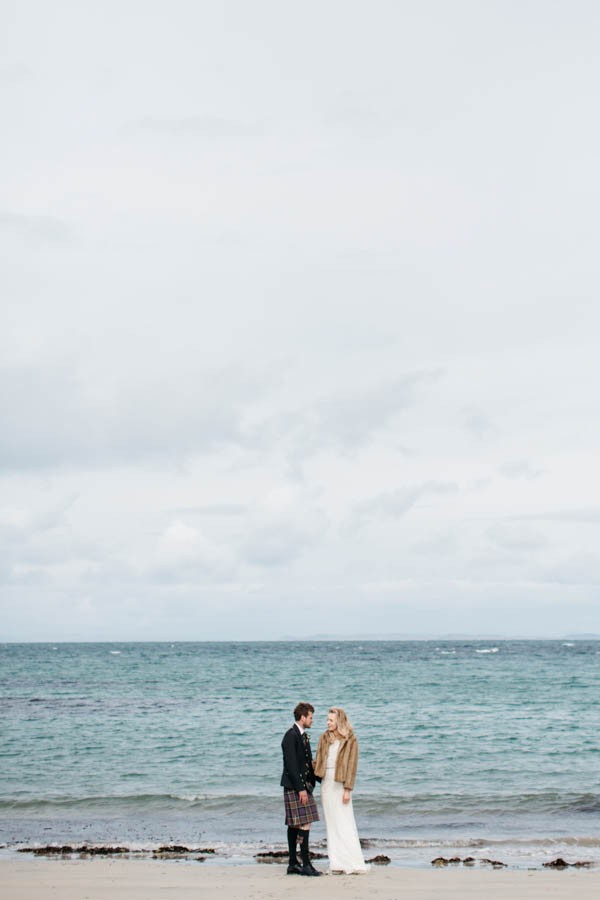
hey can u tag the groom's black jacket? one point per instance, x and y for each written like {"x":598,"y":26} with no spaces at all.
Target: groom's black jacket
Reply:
{"x":298,"y":774}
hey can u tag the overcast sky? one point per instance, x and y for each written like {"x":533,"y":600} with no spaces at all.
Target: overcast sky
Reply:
{"x":300,"y":319}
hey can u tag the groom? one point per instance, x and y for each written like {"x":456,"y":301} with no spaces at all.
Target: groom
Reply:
{"x":298,"y":782}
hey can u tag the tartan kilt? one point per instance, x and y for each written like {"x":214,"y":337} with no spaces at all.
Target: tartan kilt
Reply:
{"x":295,"y":813}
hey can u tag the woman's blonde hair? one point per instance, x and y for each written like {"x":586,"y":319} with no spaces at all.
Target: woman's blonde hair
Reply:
{"x":344,"y":725}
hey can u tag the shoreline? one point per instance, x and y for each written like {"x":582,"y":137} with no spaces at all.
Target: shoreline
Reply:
{"x":276,"y":857}
{"x":143,"y":879}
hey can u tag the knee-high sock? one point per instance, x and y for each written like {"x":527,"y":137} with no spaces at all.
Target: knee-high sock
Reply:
{"x":292,"y":836}
{"x":304,"y":847}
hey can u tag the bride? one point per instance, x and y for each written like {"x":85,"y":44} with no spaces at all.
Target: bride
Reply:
{"x":335,"y":764}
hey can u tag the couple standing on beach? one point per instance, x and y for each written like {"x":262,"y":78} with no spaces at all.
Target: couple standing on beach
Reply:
{"x":335,"y":767}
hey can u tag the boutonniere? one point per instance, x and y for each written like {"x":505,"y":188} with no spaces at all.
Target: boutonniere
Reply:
{"x":307,"y":737}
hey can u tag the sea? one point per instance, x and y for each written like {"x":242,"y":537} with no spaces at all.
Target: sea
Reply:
{"x":488,"y":749}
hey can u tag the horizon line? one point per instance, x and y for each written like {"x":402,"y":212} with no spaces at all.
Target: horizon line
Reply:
{"x":448,"y":638}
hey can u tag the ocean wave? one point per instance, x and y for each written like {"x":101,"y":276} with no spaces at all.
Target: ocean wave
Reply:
{"x":548,"y":802}
{"x":447,"y":809}
{"x":95,"y":803}
{"x":479,"y":843}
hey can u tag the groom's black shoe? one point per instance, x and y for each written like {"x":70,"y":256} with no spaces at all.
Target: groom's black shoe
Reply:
{"x":309,"y":869}
{"x":294,"y":869}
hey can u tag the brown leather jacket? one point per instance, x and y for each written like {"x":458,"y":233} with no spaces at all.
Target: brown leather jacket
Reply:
{"x":347,"y":759}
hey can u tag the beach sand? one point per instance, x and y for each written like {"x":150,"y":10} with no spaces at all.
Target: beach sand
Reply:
{"x":117,"y":879}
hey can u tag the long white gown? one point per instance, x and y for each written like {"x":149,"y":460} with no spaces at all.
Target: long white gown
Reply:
{"x":343,"y":845}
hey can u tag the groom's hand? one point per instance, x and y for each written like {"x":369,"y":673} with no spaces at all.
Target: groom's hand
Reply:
{"x":303,"y":797}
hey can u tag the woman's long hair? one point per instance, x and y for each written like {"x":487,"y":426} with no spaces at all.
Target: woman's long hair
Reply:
{"x":344,"y":726}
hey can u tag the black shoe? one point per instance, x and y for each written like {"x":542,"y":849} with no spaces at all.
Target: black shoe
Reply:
{"x":309,"y":869}
{"x":294,"y":869}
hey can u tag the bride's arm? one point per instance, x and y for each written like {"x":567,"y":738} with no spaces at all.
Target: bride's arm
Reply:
{"x":351,"y":766}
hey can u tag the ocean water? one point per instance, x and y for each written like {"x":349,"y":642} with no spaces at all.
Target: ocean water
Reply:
{"x":469,"y":748}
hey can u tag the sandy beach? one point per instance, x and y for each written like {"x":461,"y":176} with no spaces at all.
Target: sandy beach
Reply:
{"x":103,"y":879}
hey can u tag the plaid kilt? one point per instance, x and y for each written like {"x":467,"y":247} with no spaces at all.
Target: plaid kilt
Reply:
{"x":295,"y":813}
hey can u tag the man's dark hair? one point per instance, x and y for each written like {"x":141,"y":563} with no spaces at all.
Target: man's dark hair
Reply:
{"x":302,"y":709}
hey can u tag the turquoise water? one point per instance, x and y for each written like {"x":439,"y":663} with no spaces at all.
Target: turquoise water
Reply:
{"x":463,"y":744}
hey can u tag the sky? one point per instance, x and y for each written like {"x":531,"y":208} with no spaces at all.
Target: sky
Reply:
{"x":299,"y":319}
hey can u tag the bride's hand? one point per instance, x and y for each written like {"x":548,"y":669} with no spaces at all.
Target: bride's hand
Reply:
{"x":346,"y":797}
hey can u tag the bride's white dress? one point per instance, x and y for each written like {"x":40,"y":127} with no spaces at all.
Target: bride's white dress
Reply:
{"x":343,"y":846}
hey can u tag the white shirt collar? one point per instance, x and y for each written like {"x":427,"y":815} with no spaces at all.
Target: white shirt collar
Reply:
{"x":299,"y":727}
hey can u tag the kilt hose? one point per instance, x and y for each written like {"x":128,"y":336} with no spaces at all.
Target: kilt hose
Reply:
{"x":296,"y":814}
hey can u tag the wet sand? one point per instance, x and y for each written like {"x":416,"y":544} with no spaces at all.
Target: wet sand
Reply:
{"x":118,"y":879}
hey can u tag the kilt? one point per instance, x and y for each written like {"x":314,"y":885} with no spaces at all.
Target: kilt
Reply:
{"x":295,"y":813}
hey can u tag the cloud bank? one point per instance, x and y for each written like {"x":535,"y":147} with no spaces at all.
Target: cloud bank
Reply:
{"x":282,"y":338}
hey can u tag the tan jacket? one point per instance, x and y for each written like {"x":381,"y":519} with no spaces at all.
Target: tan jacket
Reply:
{"x":346,"y":763}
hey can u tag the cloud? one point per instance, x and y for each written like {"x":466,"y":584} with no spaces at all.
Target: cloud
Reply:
{"x":37,"y":228}
{"x":515,"y":537}
{"x":580,"y":568}
{"x":478,"y":423}
{"x":201,"y":126}
{"x":352,"y":419}
{"x":395,"y":504}
{"x":281,"y":540}
{"x":583,"y":515}
{"x":285,"y":524}
{"x":437,"y":545}
{"x":18,"y":522}
{"x":238,"y":286}
{"x":520,"y":468}
{"x":183,"y":551}
{"x":15,"y":73}
{"x":55,"y":415}
{"x":40,"y":546}
{"x":58,"y":413}
{"x":348,"y":420}
{"x":355,"y":113}
{"x":480,"y":484}
{"x":213,"y":509}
